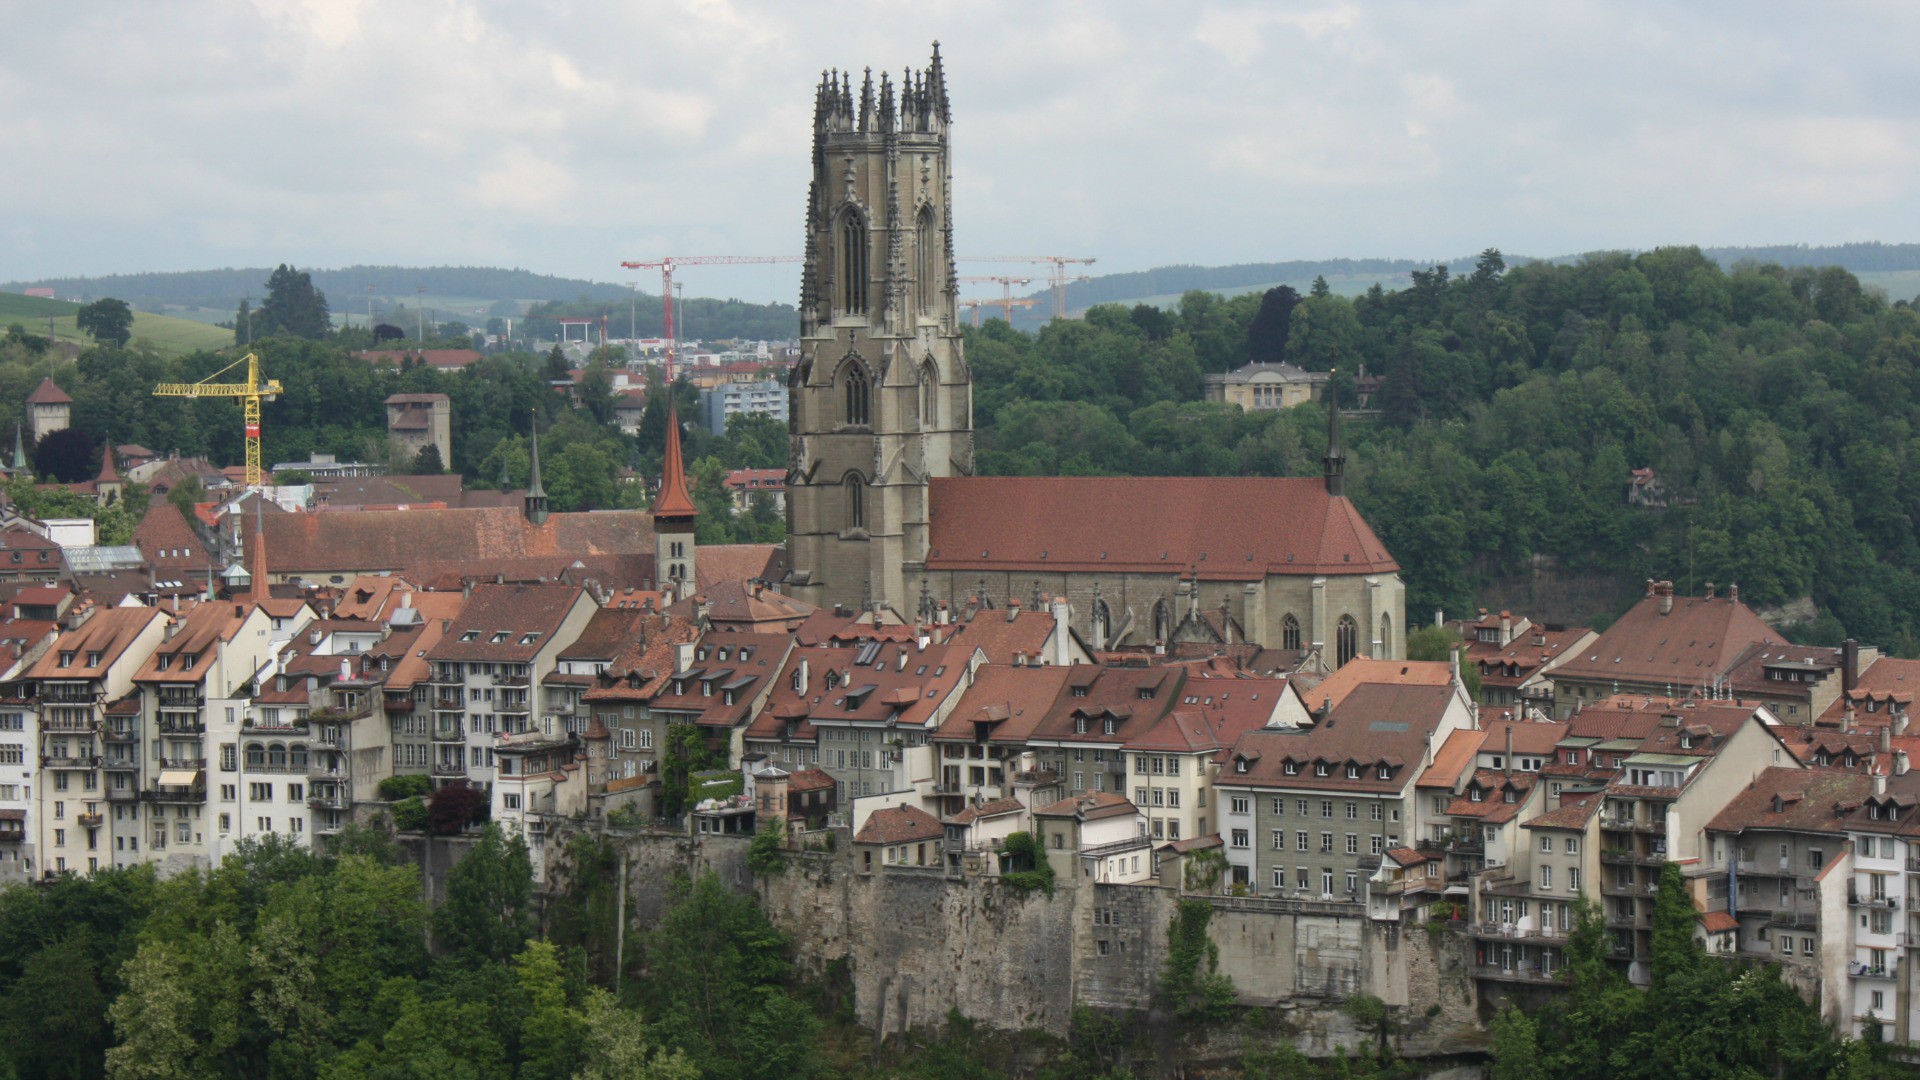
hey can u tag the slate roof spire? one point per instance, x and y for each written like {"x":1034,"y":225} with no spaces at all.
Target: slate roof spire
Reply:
{"x":1336,"y":458}
{"x":536,"y":495}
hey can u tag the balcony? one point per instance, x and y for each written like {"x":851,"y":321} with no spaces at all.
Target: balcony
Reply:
{"x":339,"y":714}
{"x":90,"y":821}
{"x":82,"y":722}
{"x":193,"y":797}
{"x":328,"y":802}
{"x":195,"y":763}
{"x":1465,"y":845}
{"x":444,"y":703}
{"x":1528,"y":973}
{"x":180,"y":697}
{"x":1612,"y":887}
{"x":317,"y":771}
{"x":12,"y":832}
{"x":397,"y":703}
{"x":1794,"y":920}
{"x":68,"y":694}
{"x":1891,"y":903}
{"x":520,"y":707}
{"x":70,"y":761}
{"x":1871,"y":971}
{"x":948,"y":787}
{"x":449,"y":734}
{"x":125,"y":794}
{"x":1509,"y":932}
{"x":120,"y":735}
{"x":1617,"y":921}
{"x":522,"y":679}
{"x":181,"y":724}
{"x":449,"y":768}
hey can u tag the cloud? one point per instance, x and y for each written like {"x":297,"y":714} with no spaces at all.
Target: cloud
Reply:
{"x":566,"y":137}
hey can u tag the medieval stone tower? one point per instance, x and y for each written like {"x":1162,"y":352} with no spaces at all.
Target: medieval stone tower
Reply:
{"x":881,"y":400}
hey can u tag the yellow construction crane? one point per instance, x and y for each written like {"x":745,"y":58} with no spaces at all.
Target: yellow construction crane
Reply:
{"x":249,"y":393}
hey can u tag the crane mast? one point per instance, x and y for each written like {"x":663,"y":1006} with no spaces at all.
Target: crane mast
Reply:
{"x":250,"y":394}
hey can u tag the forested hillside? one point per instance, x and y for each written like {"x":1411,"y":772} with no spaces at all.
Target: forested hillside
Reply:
{"x":1778,"y":405}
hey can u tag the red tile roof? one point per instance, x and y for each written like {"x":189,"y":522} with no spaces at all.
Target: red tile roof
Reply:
{"x":512,"y":610}
{"x":1004,"y":704}
{"x":375,"y":540}
{"x":900,"y":825}
{"x":170,"y":544}
{"x":108,"y":633}
{"x":1092,"y":806}
{"x":1379,"y":724}
{"x":1361,"y":671}
{"x":1005,"y":635}
{"x":1800,"y":800}
{"x":1700,"y":638}
{"x":47,"y":393}
{"x":1886,"y":682}
{"x":715,"y":563}
{"x":1572,"y":813}
{"x":1220,"y":528}
{"x":675,"y":502}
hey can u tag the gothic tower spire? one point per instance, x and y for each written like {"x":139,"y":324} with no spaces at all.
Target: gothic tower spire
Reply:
{"x":536,"y":501}
{"x":881,"y":400}
{"x":1336,"y":458}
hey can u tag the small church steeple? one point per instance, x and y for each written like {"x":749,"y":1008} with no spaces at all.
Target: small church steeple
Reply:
{"x":1336,"y":458}
{"x":106,"y":486}
{"x":536,"y":495}
{"x":19,"y":454}
{"x":673,"y":517}
{"x":257,"y":577}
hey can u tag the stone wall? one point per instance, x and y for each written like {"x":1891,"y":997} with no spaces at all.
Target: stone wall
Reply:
{"x":917,"y":944}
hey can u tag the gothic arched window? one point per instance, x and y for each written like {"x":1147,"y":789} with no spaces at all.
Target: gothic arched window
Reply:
{"x":1386,"y":638}
{"x":1290,"y":633}
{"x":853,"y":264}
{"x":929,"y":397}
{"x":1162,"y":621}
{"x":1347,"y":640}
{"x":858,"y":394}
{"x":856,"y":488}
{"x":1102,"y":624}
{"x":924,"y":274}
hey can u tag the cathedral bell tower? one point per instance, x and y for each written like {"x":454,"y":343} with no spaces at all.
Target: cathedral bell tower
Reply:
{"x":881,"y":400}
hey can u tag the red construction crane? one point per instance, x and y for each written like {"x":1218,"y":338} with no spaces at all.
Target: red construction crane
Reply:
{"x":1057,"y":273}
{"x":666,"y":267}
{"x":1006,"y":303}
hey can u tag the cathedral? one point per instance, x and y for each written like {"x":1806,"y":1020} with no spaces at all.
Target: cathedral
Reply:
{"x":883,"y":509}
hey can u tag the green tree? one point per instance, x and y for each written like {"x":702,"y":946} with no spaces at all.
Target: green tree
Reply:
{"x":1675,"y":950}
{"x":616,"y":1046}
{"x":153,"y":1019}
{"x":52,"y":1013}
{"x":488,"y":913}
{"x":550,"y":1031}
{"x":580,"y":477}
{"x":427,"y":462}
{"x":1515,"y":1047}
{"x":107,"y":321}
{"x":293,"y":306}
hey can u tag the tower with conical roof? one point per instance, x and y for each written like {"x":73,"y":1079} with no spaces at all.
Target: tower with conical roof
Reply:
{"x":881,"y":399}
{"x":106,"y":486}
{"x":257,"y":552}
{"x":49,"y":409}
{"x":536,"y":499}
{"x":674,"y":516}
{"x":1335,"y":459}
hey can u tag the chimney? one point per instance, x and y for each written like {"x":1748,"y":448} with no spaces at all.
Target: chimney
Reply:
{"x":314,"y":636}
{"x":1439,"y":617}
{"x":682,"y":657}
{"x":1650,"y":587}
{"x":1733,"y":592}
{"x":173,"y":626}
{"x":1508,"y":760}
{"x":1849,"y":665}
{"x":1665,"y":591}
{"x":1506,"y":627}
{"x":346,"y":669}
{"x":1899,"y":763}
{"x":903,"y":658}
{"x":1879,"y":780}
{"x":1013,"y":610}
{"x":1707,"y":592}
{"x":1886,"y":740}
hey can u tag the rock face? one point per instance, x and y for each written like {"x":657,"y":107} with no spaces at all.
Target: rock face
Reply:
{"x":917,"y":944}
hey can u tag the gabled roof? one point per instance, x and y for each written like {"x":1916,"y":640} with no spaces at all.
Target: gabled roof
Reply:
{"x":981,"y":811}
{"x":1493,"y":807}
{"x":1453,"y":760}
{"x":1573,"y":812}
{"x":107,"y":633}
{"x":1218,"y":528}
{"x":373,"y":540}
{"x":1004,"y":704}
{"x":1092,"y":806}
{"x":1003,"y":635}
{"x":1377,"y":725}
{"x":1361,"y":671}
{"x":1799,"y":800}
{"x":715,"y":563}
{"x":900,"y":825}
{"x":203,"y":629}
{"x":1698,"y":639}
{"x":514,"y":611}
{"x":1886,"y":683}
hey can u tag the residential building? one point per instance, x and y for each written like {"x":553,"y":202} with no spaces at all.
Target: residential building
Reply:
{"x":49,"y":409}
{"x":1797,"y":683}
{"x":1095,"y":837}
{"x":746,"y":485}
{"x":1515,"y":658}
{"x":1260,"y":387}
{"x":76,"y":685}
{"x":898,"y":837}
{"x":1321,"y":804}
{"x":504,"y":642}
{"x":1664,"y":646}
{"x":723,"y":402}
{"x":417,"y":421}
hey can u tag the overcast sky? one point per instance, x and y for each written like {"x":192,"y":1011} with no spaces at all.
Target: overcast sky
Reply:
{"x":565,"y":136}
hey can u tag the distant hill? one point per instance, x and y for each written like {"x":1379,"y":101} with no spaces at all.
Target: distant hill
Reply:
{"x":223,"y":289}
{"x":168,"y":335}
{"x":1878,"y":263}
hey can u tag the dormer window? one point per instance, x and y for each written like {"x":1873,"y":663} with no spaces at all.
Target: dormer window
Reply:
{"x":528,"y":639}
{"x":186,"y":661}
{"x":1240,"y":765}
{"x":165,"y":662}
{"x":1109,"y":726}
{"x":1686,"y":742}
{"x":1292,"y":768}
{"x":1353,"y":772}
{"x":833,"y":679}
{"x":1852,"y":762}
{"x":1386,"y":773}
{"x":1320,"y":768}
{"x":1475,"y":794}
{"x":66,"y":659}
{"x":499,"y":637}
{"x":471,"y":635}
{"x":1079,"y":691}
{"x":93,"y":659}
{"x":1079,"y":725}
{"x":799,"y":682}
{"x":1146,"y":693}
{"x":1512,"y":795}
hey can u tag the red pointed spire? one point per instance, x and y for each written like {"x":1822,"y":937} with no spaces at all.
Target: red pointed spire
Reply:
{"x":258,"y":549}
{"x":674,"y":501}
{"x":108,"y":474}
